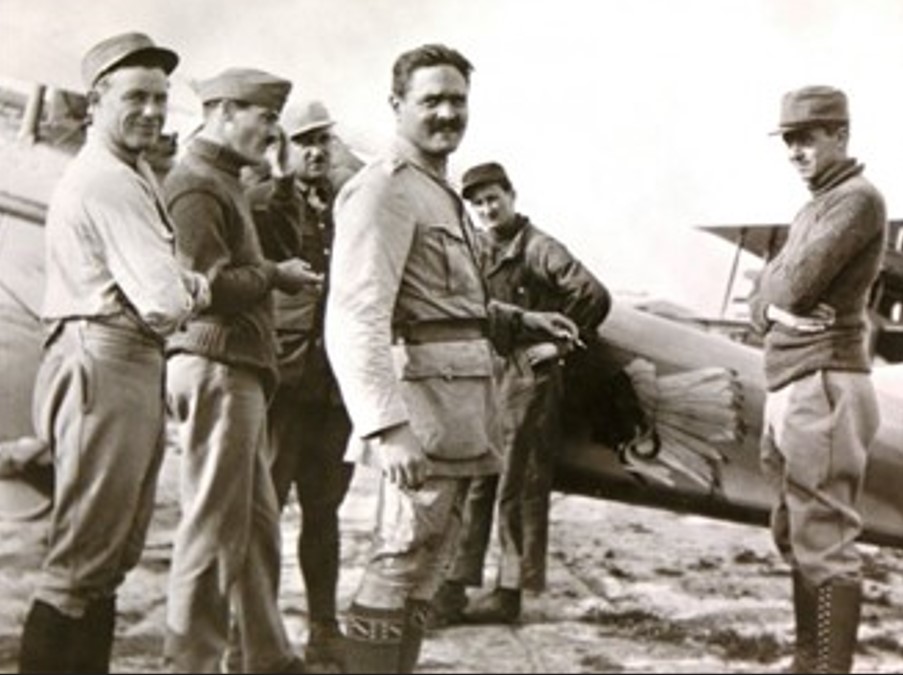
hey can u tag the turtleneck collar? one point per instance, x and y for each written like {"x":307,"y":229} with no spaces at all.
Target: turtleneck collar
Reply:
{"x":220,"y":156}
{"x":507,"y":232}
{"x":834,"y":175}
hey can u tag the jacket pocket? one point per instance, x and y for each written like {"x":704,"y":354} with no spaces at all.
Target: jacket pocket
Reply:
{"x":450,"y":395}
{"x":448,"y":253}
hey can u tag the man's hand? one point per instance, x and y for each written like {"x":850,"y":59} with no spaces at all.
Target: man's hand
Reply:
{"x":556,"y":325}
{"x":277,"y":155}
{"x":818,"y":320}
{"x":198,"y":288}
{"x":403,"y":460}
{"x":294,"y":274}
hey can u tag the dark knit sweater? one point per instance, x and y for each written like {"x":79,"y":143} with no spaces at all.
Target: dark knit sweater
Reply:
{"x":215,"y":235}
{"x":833,"y":255}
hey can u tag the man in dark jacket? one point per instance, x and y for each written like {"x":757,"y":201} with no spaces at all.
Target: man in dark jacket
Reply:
{"x":308,"y":424}
{"x":528,"y":268}
{"x":821,"y":412}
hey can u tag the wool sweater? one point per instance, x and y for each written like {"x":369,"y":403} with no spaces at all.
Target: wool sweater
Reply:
{"x":215,"y":235}
{"x":832,"y":255}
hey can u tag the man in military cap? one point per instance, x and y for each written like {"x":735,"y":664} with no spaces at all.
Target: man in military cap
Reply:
{"x":821,"y":412}
{"x":222,"y":369}
{"x":114,"y":292}
{"x":408,"y":324}
{"x":308,"y":424}
{"x":525,"y":267}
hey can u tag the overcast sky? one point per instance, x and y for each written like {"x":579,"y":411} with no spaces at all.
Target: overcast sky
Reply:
{"x":623,"y":123}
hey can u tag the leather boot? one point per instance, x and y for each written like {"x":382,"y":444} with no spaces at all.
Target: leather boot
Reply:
{"x":325,"y":642}
{"x":417,"y":613}
{"x":47,"y":640}
{"x":805,"y":609}
{"x":447,"y":608}
{"x":373,"y":639}
{"x":93,"y":641}
{"x":500,"y":606}
{"x":839,"y":604}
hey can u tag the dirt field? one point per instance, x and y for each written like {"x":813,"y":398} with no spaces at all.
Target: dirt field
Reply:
{"x":631,"y":590}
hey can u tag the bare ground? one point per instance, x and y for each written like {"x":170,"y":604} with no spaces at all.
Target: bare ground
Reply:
{"x":631,"y":590}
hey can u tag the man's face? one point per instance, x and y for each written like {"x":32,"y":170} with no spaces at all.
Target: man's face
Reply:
{"x":432,"y":113}
{"x":493,"y":204}
{"x":129,"y":107}
{"x":249,"y":129}
{"x":814,"y":149}
{"x":312,"y":154}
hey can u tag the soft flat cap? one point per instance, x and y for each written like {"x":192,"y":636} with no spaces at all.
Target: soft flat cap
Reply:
{"x":125,"y":49}
{"x":812,"y":106}
{"x":246,"y":84}
{"x":483,"y":174}
{"x":302,"y":117}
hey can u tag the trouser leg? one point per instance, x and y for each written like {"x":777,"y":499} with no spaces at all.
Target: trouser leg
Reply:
{"x":817,"y":433}
{"x":322,"y":478}
{"x":226,"y":545}
{"x":415,"y":532}
{"x":469,"y":555}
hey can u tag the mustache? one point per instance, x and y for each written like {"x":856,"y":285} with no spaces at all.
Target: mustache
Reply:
{"x":454,"y":124}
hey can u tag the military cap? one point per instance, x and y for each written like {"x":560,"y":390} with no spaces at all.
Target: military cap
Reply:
{"x":483,"y":174}
{"x":125,"y":49}
{"x":812,"y":106}
{"x":300,"y":118}
{"x":246,"y":84}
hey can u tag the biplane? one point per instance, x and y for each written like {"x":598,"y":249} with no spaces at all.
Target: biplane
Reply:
{"x":685,"y":393}
{"x":700,"y":384}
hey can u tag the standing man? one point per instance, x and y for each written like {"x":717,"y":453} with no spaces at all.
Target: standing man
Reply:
{"x":821,"y":412}
{"x":525,"y":267}
{"x":407,"y":328}
{"x":308,"y":424}
{"x":222,"y":368}
{"x":114,"y":292}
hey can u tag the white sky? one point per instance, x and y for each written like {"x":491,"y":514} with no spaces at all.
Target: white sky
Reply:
{"x":623,"y":123}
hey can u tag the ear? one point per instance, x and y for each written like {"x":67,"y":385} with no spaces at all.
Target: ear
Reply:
{"x":394,"y":102}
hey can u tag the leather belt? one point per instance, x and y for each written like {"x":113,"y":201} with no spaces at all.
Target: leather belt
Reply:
{"x":443,"y":330}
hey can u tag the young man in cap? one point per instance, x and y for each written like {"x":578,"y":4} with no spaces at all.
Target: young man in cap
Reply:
{"x":821,"y":413}
{"x":114,"y":292}
{"x":221,"y":370}
{"x":308,"y":424}
{"x":408,"y":323}
{"x":526,"y":267}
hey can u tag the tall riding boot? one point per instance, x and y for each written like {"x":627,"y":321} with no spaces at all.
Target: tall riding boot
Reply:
{"x":805,"y":609}
{"x":416,"y":616}
{"x":47,"y":640}
{"x":93,"y":644}
{"x":373,"y":639}
{"x":839,"y":605}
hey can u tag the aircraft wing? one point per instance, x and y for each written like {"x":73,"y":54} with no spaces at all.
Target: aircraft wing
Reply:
{"x":763,"y":239}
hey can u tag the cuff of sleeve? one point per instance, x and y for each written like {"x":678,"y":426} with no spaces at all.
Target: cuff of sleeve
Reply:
{"x":270,"y":273}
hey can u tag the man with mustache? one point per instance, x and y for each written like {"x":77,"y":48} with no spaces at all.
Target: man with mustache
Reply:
{"x":221,"y":370}
{"x":114,"y":292}
{"x":821,"y":412}
{"x":308,"y":424}
{"x":408,"y":323}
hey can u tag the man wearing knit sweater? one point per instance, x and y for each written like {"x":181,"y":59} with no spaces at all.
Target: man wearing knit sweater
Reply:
{"x":821,"y":413}
{"x":221,"y":370}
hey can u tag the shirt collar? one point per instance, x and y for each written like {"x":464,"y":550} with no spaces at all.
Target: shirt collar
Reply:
{"x":219,"y":156}
{"x":405,"y":151}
